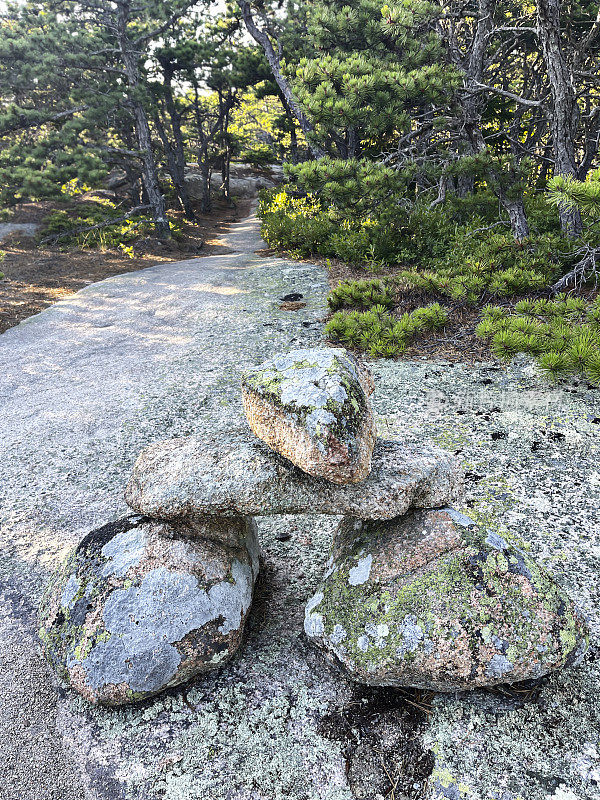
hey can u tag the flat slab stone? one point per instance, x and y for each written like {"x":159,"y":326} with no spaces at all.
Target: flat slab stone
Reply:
{"x":312,"y":406}
{"x":231,"y":473}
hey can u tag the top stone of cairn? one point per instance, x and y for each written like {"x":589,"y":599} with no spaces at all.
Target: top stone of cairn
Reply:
{"x":312,"y":407}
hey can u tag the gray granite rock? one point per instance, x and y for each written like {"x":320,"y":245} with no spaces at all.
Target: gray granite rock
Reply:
{"x":434,"y":601}
{"x":141,"y":605}
{"x":232,"y":473}
{"x":312,"y":407}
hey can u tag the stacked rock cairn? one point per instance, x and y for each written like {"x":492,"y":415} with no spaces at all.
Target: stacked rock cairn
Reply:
{"x":415,"y":593}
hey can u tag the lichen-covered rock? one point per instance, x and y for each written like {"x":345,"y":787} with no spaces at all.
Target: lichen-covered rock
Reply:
{"x":312,"y":407}
{"x":139,"y":606}
{"x":231,"y":473}
{"x":434,"y":601}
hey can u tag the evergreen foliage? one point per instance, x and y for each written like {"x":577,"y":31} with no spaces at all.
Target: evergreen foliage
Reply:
{"x":563,"y":334}
{"x":380,"y":333}
{"x":568,"y":192}
{"x":360,"y":294}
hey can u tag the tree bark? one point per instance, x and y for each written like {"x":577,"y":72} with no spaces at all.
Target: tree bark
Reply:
{"x":473,"y":105}
{"x":518,"y":219}
{"x":465,"y":185}
{"x":205,"y":198}
{"x":564,"y":114}
{"x":176,"y":154}
{"x":261,"y":38}
{"x":129,"y":57}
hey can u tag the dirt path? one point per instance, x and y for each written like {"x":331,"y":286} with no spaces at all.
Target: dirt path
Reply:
{"x":34,"y":277}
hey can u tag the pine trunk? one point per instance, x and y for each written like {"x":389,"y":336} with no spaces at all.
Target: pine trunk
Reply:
{"x":518,"y":219}
{"x":564,"y":116}
{"x":142,"y":128}
{"x":261,"y":38}
{"x":178,"y":152}
{"x":205,"y":201}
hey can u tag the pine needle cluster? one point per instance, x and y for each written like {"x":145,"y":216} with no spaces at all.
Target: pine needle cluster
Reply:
{"x":360,"y":294}
{"x":567,"y":192}
{"x":563,"y":334}
{"x":496,"y":266}
{"x":380,"y":333}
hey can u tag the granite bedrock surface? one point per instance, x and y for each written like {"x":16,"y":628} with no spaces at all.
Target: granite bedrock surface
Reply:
{"x":158,"y":354}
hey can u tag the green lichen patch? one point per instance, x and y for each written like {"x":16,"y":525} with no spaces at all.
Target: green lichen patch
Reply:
{"x":434,"y":601}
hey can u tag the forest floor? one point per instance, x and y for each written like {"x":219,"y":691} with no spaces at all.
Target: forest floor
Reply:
{"x":456,"y":342}
{"x":36,"y":276}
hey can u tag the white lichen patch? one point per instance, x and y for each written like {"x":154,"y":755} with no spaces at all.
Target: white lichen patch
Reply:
{"x":496,"y":541}
{"x":361,"y":572}
{"x":313,"y":622}
{"x":123,"y":551}
{"x":411,"y":635}
{"x":145,"y":622}
{"x":70,"y":592}
{"x":499,"y":665}
{"x":338,"y":634}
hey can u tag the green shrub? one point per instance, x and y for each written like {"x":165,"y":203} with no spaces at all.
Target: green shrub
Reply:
{"x":259,"y":155}
{"x":294,"y":224}
{"x":302,"y":224}
{"x":441,"y":251}
{"x":121,"y":234}
{"x":378,"y":332}
{"x":360,"y":294}
{"x":563,"y":334}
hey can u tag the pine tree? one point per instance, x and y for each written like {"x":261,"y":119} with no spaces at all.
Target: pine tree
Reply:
{"x":374,"y":84}
{"x":72,"y":80}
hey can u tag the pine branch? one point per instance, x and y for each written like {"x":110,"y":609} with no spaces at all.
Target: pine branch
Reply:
{"x":23,"y":124}
{"x":479,"y":87}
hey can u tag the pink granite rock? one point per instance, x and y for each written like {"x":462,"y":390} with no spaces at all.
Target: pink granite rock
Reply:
{"x":312,"y":407}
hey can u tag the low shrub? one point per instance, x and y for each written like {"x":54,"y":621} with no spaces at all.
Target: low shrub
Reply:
{"x":563,"y":334}
{"x":294,"y":224}
{"x":120,"y":235}
{"x":360,"y":294}
{"x":492,"y":265}
{"x":379,"y":333}
{"x":259,"y":155}
{"x":437,"y":253}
